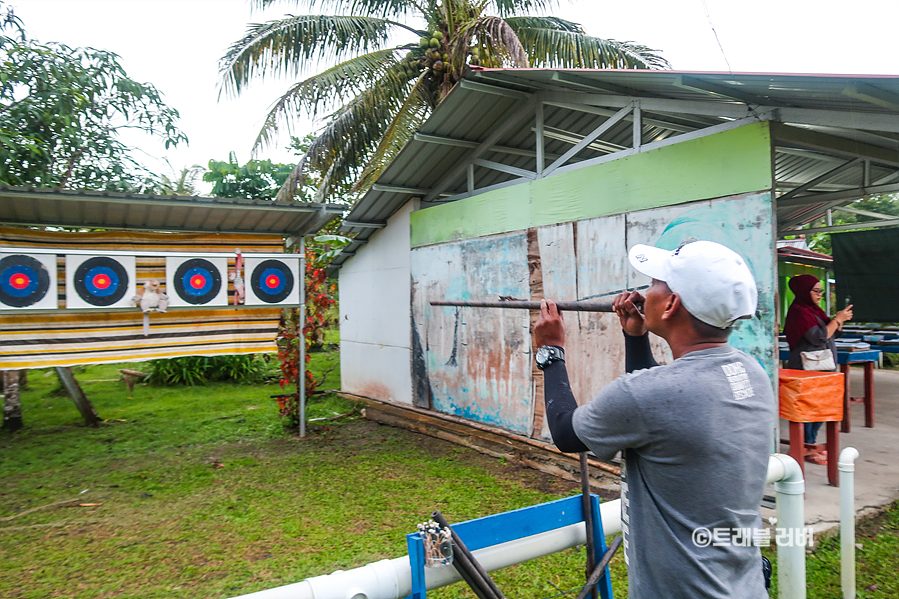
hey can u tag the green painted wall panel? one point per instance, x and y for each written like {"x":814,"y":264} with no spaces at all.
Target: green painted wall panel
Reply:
{"x":727,"y":163}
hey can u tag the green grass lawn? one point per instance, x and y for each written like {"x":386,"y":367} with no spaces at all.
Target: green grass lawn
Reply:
{"x":199,"y":492}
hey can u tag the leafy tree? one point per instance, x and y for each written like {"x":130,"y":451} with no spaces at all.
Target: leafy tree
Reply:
{"x":378,"y":94}
{"x":62,"y":110}
{"x":257,"y":179}
{"x":884,"y":204}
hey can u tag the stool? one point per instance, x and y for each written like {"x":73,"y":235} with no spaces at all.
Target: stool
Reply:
{"x":798,"y":451}
{"x":809,"y":396}
{"x":868,"y":358}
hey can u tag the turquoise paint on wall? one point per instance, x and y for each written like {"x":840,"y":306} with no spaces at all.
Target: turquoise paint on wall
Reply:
{"x":479,"y":372}
{"x":744,"y":225}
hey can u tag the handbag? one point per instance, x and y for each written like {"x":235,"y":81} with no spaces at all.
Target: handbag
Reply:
{"x":819,"y":360}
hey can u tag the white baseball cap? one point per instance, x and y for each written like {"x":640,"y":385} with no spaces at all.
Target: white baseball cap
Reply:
{"x":714,"y":283}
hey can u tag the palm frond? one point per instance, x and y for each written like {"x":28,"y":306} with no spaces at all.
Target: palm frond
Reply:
{"x":408,"y":119}
{"x":369,"y":8}
{"x":288,"y":46}
{"x":344,"y":146}
{"x":330,"y":89}
{"x":498,"y":39}
{"x":506,"y":8}
{"x":569,"y":49}
{"x":554,"y":23}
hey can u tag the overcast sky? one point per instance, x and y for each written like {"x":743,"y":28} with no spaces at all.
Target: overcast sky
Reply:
{"x":176,"y":44}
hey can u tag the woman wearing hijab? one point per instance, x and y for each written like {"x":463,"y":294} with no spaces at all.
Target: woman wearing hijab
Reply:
{"x":809,"y":329}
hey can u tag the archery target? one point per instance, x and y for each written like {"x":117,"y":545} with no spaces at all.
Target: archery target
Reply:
{"x":272,"y":281}
{"x":196,"y":281}
{"x":28,"y":281}
{"x":99,"y":281}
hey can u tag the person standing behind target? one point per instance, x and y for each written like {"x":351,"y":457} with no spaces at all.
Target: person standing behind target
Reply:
{"x":695,"y":435}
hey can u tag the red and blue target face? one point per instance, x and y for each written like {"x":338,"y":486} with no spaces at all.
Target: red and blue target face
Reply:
{"x":272,"y":281}
{"x":23,"y":281}
{"x":197,"y":281}
{"x":101,"y":281}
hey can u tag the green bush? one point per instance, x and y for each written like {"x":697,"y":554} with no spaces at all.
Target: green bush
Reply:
{"x":198,"y":370}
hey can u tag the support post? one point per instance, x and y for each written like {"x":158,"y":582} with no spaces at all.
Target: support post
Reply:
{"x":846,"y":465}
{"x":301,"y":341}
{"x":539,"y":139}
{"x":12,"y":403}
{"x":75,"y":392}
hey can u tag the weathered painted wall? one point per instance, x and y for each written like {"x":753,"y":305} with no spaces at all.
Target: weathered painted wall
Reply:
{"x":478,"y":361}
{"x":724,"y":164}
{"x":375,"y":316}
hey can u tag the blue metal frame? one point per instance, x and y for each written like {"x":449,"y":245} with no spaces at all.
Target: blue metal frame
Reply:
{"x":510,"y":526}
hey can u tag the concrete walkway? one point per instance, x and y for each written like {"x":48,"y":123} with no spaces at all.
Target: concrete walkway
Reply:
{"x":877,"y":468}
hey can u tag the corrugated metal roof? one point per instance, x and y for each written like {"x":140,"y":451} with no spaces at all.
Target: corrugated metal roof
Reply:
{"x":30,"y":206}
{"x":833,"y":119}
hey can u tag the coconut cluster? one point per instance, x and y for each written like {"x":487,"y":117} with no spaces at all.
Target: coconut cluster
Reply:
{"x":433,"y":56}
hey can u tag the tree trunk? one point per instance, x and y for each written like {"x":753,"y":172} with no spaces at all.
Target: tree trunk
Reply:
{"x":81,"y":401}
{"x":12,"y":404}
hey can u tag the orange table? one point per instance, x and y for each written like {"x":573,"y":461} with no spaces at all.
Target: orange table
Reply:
{"x":808,"y":396}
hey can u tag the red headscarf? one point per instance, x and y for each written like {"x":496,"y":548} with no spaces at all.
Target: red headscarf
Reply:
{"x":804,"y":312}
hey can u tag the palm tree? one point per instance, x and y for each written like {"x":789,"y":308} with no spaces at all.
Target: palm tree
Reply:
{"x":378,"y":93}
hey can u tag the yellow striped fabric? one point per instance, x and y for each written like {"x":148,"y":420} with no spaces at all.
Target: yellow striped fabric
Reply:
{"x":99,"y":336}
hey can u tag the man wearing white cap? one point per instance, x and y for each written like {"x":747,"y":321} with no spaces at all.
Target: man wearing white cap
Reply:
{"x":694,"y":435}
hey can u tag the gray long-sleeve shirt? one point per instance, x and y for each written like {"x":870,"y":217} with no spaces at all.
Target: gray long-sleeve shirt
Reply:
{"x":695,"y":436}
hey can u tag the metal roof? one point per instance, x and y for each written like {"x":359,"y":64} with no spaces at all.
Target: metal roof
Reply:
{"x":838,"y":138}
{"x":30,"y":206}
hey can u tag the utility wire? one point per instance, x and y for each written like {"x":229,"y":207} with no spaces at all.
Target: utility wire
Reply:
{"x":720,"y":47}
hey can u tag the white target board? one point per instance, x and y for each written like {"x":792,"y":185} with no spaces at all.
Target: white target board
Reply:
{"x":28,"y":281}
{"x":195,"y":282}
{"x":272,"y":281}
{"x":100,"y":282}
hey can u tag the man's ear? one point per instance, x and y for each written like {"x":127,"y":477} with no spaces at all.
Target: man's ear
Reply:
{"x":672,"y":303}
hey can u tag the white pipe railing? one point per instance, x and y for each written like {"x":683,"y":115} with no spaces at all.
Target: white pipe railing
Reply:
{"x":846,"y":466}
{"x":789,"y":484}
{"x":392,"y":579}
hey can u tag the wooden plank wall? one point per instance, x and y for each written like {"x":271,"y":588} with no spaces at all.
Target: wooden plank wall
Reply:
{"x":478,"y":361}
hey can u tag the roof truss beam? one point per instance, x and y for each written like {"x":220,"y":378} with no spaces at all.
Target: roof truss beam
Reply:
{"x":804,"y":116}
{"x":820,"y":179}
{"x":464,"y":143}
{"x":851,"y":194}
{"x":399,"y":189}
{"x":569,"y":137}
{"x":513,"y":119}
{"x":648,"y":120}
{"x":595,"y":134}
{"x":691,"y":83}
{"x":503,"y":168}
{"x":866,"y":213}
{"x":853,"y":227}
{"x":848,"y":148}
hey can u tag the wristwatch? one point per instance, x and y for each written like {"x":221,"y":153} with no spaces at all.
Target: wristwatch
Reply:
{"x":547,"y":354}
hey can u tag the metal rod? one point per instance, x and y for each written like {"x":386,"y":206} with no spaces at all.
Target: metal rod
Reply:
{"x":457,"y":542}
{"x":588,"y":518}
{"x":583,"y":306}
{"x":471,"y":577}
{"x":600,"y":568}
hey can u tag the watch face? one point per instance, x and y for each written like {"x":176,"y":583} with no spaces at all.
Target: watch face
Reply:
{"x":542,"y":355}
